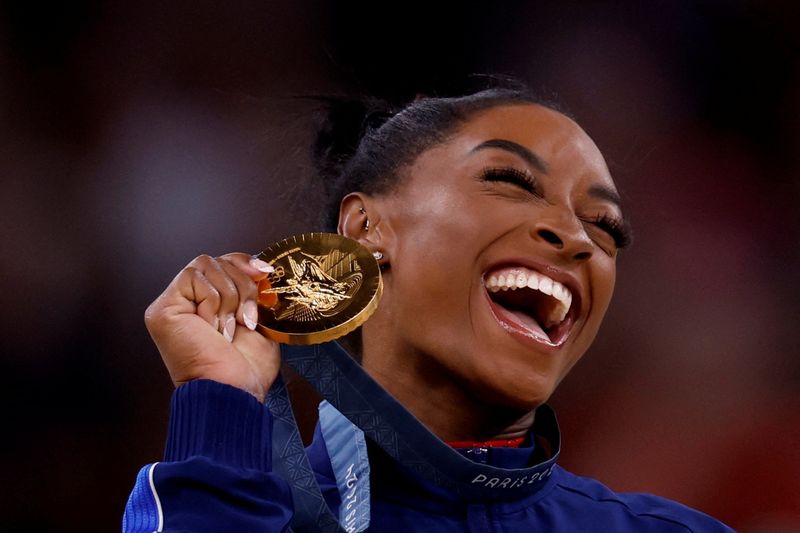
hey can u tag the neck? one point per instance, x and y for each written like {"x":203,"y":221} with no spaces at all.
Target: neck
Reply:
{"x":443,"y":405}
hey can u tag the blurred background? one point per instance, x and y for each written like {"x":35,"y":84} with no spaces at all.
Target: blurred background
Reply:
{"x":137,"y":135}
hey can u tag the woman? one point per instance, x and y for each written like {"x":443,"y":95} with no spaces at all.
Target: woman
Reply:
{"x":498,"y":227}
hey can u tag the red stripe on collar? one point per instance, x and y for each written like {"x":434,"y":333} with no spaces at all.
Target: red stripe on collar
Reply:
{"x":493,"y":443}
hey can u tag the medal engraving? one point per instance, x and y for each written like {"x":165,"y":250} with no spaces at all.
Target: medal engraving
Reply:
{"x":324,"y":286}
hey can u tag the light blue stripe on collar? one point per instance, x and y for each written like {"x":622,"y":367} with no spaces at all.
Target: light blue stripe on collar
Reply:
{"x":347,"y":450}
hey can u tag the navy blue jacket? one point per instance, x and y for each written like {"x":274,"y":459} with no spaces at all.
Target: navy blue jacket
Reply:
{"x":217,"y":476}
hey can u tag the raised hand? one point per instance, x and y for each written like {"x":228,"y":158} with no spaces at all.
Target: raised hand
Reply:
{"x":204,"y":324}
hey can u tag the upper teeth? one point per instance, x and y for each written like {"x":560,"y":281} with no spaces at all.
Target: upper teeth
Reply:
{"x":518,"y":277}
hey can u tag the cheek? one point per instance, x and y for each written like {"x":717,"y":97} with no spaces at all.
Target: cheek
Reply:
{"x":439,"y":228}
{"x":602,"y":279}
{"x":434,"y":266}
{"x":431,"y":274}
{"x":605,"y":276}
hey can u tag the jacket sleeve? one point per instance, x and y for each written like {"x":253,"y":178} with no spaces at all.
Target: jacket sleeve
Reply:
{"x":217,"y":468}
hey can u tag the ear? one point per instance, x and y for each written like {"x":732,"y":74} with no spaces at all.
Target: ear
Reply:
{"x":360,"y":219}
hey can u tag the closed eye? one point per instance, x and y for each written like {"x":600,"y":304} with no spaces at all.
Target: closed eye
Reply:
{"x":520,"y":178}
{"x":619,"y":229}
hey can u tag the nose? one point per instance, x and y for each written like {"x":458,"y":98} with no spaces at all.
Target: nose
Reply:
{"x":564,"y":233}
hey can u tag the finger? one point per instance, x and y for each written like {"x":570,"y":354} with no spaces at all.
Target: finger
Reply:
{"x":228,"y":292}
{"x":255,"y":268}
{"x":247,"y":312}
{"x":189,"y":293}
{"x":206,"y":298}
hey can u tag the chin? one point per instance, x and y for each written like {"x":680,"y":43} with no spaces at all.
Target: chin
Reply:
{"x":518,"y":392}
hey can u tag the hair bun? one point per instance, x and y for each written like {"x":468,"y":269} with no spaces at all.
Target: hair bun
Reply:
{"x":346,"y":121}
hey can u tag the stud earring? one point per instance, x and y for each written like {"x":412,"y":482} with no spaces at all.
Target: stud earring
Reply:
{"x":377,"y":255}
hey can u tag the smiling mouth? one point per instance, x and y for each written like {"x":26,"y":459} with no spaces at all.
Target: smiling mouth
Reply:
{"x":528,"y":303}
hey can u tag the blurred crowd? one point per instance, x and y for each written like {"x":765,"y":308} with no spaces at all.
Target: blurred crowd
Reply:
{"x":135,"y":136}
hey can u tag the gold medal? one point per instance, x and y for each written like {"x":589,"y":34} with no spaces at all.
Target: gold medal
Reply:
{"x":324,"y":286}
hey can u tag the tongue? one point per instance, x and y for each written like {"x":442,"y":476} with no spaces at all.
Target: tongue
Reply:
{"x":527,"y":321}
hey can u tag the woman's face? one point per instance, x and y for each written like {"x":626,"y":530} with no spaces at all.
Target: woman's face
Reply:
{"x":501,"y":244}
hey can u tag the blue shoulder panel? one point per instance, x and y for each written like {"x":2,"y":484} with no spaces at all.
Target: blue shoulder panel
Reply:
{"x":143,"y":510}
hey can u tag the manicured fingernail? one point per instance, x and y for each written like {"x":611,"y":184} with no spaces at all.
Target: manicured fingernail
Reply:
{"x":230,"y":327}
{"x":261,"y":266}
{"x":250,"y":313}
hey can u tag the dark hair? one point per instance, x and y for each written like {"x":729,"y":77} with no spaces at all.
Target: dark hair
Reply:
{"x":364,"y":145}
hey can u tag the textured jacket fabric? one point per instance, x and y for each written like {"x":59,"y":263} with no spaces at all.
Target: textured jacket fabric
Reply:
{"x":217,"y":476}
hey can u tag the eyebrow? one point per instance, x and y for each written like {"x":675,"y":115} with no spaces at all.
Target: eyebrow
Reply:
{"x":530,"y":157}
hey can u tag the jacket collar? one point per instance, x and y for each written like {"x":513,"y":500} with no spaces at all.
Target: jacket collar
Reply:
{"x":525,"y":470}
